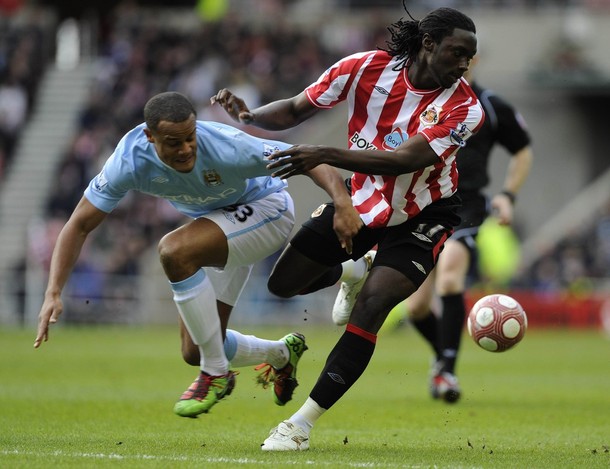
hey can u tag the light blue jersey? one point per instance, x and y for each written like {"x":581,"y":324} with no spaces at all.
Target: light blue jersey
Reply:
{"x":230,"y":169}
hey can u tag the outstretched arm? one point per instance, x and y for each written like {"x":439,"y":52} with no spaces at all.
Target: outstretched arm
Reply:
{"x":346,"y":222}
{"x":413,"y":155}
{"x":83,"y":220}
{"x":516,"y":174}
{"x":277,"y":115}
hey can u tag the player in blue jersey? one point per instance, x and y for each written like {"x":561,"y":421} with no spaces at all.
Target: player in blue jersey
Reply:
{"x":216,"y":175}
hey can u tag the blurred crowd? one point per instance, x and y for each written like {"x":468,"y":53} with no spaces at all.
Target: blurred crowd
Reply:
{"x":139,"y":59}
{"x":23,"y":57}
{"x":579,"y":263}
{"x":136,"y":61}
{"x":501,"y":4}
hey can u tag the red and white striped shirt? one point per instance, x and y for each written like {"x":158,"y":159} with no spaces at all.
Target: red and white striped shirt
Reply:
{"x":384,"y":110}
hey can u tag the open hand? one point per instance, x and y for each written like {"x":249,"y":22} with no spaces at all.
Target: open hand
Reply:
{"x":296,"y":160}
{"x":235,"y":106}
{"x":49,"y":314}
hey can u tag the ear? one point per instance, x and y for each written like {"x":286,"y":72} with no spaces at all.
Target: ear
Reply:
{"x":149,"y":135}
{"x":427,"y":42}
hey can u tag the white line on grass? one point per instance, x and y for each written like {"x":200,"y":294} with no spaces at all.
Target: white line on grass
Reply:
{"x":151,"y":457}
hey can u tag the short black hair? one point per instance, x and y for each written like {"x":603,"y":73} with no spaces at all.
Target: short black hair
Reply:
{"x":169,"y":106}
{"x":407,"y":35}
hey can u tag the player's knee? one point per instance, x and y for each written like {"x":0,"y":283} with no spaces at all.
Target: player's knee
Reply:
{"x":170,"y":252}
{"x":164,"y":248}
{"x":277,"y":285}
{"x":451,"y":279}
{"x":451,"y":285}
{"x":371,"y":309}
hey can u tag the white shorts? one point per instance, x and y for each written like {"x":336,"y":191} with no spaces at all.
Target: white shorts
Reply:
{"x":254,"y":231}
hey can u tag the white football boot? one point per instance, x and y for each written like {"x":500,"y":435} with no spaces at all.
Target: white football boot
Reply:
{"x":287,"y":436}
{"x":348,"y":293}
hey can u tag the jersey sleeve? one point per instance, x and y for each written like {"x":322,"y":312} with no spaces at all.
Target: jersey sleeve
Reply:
{"x":460,"y":123}
{"x":250,"y":152}
{"x":106,"y":190}
{"x":332,"y":86}
{"x":511,"y":129}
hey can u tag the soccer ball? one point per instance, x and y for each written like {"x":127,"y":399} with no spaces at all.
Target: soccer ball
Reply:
{"x":497,"y":323}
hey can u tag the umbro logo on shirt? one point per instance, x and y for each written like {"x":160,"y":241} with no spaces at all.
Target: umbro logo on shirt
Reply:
{"x":382,"y":90}
{"x":160,"y":180}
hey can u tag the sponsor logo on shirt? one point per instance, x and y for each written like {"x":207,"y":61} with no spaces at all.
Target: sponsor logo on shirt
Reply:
{"x":361,"y":143}
{"x":210,"y":199}
{"x":211,"y":178}
{"x":394,"y":139}
{"x":431,"y":115}
{"x":460,"y":134}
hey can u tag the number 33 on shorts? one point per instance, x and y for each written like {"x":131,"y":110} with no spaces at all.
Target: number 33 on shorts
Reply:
{"x":239,"y":212}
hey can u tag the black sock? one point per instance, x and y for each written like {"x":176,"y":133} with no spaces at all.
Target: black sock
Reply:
{"x":345,"y":363}
{"x":327,"y":279}
{"x":428,"y":328}
{"x":450,"y":330}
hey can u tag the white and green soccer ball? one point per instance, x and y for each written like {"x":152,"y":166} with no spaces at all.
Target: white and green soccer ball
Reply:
{"x":497,"y":323}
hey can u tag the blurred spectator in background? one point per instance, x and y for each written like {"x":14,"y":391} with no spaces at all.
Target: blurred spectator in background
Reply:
{"x":579,"y":263}
{"x":23,"y":57}
{"x":13,"y":112}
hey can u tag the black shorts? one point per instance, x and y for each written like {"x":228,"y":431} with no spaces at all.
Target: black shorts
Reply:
{"x":473,"y":212}
{"x":411,"y":247}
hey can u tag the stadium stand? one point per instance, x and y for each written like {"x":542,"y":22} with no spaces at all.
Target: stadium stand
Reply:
{"x":23,"y":58}
{"x":136,"y":56}
{"x":137,"y":60}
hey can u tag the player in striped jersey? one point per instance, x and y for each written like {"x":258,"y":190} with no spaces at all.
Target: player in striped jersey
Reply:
{"x":409,"y":111}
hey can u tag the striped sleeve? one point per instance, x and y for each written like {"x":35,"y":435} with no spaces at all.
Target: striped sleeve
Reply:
{"x":464,"y":119}
{"x":333,"y":85}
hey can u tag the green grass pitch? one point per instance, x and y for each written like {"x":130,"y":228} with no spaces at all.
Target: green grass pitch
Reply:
{"x":103,"y":397}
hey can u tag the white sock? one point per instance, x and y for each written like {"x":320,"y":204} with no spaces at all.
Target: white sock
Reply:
{"x":251,"y":350}
{"x":353,"y":270}
{"x":307,"y":415}
{"x":196,"y":304}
